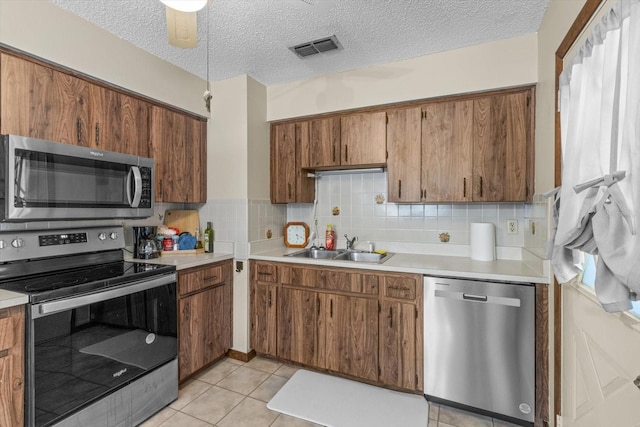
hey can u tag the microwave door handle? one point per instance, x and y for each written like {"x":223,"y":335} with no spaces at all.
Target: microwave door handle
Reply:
{"x":137,"y":181}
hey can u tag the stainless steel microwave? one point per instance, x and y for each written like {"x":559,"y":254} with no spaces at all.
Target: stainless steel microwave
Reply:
{"x":43,"y":180}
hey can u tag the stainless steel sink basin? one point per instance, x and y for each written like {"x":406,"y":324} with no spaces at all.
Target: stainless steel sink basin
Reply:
{"x":342,"y":255}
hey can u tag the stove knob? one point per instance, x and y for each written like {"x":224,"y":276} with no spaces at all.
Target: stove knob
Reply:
{"x":17,"y":243}
{"x":102,"y":236}
{"x":113,"y":235}
{"x":3,"y":244}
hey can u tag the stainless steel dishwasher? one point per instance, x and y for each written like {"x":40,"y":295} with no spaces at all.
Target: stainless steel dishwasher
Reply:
{"x":480,"y":346}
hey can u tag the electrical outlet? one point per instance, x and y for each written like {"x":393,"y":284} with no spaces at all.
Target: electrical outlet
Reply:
{"x":512,"y":226}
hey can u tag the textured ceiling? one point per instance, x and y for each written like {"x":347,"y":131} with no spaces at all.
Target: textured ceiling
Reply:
{"x":252,"y":36}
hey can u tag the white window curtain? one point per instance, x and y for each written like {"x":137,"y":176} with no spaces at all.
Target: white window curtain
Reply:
{"x":599,"y":201}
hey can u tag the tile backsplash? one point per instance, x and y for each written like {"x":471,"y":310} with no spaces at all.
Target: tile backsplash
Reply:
{"x":363,"y":210}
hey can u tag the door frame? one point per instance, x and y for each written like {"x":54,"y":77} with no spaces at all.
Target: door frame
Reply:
{"x":587,"y":12}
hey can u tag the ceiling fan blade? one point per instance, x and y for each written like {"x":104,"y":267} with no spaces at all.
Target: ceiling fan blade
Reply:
{"x":182,"y":28}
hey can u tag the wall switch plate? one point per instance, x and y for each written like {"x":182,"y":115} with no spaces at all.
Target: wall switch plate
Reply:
{"x":512,"y":226}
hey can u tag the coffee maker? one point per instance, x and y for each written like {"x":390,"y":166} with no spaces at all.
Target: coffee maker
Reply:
{"x":144,"y":242}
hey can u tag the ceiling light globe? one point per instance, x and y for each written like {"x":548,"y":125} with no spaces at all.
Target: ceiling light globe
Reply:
{"x":185,"y":5}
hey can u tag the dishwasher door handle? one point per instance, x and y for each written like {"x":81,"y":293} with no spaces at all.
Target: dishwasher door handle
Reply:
{"x":471,"y":297}
{"x":512,"y":302}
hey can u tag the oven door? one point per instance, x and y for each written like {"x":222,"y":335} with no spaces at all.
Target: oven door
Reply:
{"x":83,"y":348}
{"x":47,"y":180}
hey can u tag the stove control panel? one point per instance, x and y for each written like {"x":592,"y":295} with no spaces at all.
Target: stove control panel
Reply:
{"x":16,"y":245}
{"x":62,"y":239}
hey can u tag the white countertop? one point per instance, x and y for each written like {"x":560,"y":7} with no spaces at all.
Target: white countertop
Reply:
{"x":184,"y":261}
{"x":10,"y":299}
{"x":432,"y":265}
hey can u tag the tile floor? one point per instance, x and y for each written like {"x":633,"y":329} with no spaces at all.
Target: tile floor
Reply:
{"x":235,"y":394}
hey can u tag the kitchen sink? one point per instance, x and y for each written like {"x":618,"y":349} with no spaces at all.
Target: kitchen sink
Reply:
{"x":342,"y":255}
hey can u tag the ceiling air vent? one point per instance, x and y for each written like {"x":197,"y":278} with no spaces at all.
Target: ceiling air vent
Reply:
{"x":317,"y":46}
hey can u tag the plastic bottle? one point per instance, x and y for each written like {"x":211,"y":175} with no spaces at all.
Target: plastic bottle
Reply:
{"x":330,"y":238}
{"x":208,"y":238}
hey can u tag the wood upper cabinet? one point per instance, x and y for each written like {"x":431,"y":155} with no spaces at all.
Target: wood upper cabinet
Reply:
{"x":404,"y":165}
{"x":119,"y":122}
{"x":503,"y":147}
{"x":324,"y":142}
{"x":462,"y":150}
{"x":363,"y":139}
{"x":39,"y":102}
{"x":178,"y":145}
{"x":12,"y":366}
{"x":446,"y":151}
{"x":289,"y":155}
{"x":205,"y":316}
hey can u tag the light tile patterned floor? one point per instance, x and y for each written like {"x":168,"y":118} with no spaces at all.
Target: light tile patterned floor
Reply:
{"x":235,"y":394}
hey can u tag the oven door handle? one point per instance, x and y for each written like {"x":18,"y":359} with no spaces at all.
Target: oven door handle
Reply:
{"x":52,"y":307}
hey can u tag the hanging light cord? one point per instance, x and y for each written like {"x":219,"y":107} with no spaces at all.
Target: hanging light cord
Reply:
{"x":207,"y":93}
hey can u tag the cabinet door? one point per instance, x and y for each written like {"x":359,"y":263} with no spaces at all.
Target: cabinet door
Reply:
{"x":283,"y":163}
{"x":398,"y":344}
{"x":203,"y":325}
{"x":298,"y":334}
{"x":324,"y":142}
{"x":305,"y":186}
{"x":363,"y":139}
{"x":178,"y":145}
{"x":12,"y":366}
{"x":264,"y":303}
{"x":446,"y":151}
{"x":404,"y":137}
{"x":501,"y":150}
{"x":119,"y":122}
{"x":351,"y":335}
{"x":39,"y":102}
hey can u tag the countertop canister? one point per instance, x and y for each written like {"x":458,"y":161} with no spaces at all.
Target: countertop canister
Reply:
{"x":483,"y":241}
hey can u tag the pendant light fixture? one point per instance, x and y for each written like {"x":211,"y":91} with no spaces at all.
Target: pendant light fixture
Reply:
{"x":185,"y":5}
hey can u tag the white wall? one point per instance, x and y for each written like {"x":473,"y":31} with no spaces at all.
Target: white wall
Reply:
{"x":503,"y":63}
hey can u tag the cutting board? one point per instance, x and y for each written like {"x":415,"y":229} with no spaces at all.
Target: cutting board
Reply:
{"x":182,"y":219}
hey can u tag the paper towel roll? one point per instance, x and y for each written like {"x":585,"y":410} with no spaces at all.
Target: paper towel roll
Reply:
{"x":483,"y":241}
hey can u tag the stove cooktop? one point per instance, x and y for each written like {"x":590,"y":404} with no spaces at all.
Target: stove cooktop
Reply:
{"x":54,"y":285}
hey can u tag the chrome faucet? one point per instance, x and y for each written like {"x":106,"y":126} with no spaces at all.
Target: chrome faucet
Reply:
{"x":350,"y":242}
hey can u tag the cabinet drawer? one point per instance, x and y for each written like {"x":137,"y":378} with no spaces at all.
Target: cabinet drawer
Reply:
{"x":266,"y":272}
{"x":399,"y":287}
{"x":7,"y":336}
{"x":195,"y":279}
{"x":331,"y":280}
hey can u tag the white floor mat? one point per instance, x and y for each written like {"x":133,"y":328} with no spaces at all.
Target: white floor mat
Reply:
{"x":338,"y":402}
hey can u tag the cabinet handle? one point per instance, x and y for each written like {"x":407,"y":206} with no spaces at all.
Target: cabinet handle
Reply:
{"x":331,"y":308}
{"x":264,"y":273}
{"x":79,"y":128}
{"x":399,"y":189}
{"x":4,"y":353}
{"x":210,"y":278}
{"x":464,"y":187}
{"x":289,"y":187}
{"x":187,"y":311}
{"x":97,"y":134}
{"x":318,"y":306}
{"x":391,"y":317}
{"x":269,"y":299}
{"x":480,"y":186}
{"x":334,"y":154}
{"x":346,"y":153}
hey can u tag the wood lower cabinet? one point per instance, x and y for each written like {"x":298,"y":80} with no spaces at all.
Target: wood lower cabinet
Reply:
{"x":12,"y":366}
{"x":335,"y":319}
{"x":205,"y":316}
{"x":264,"y":302}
